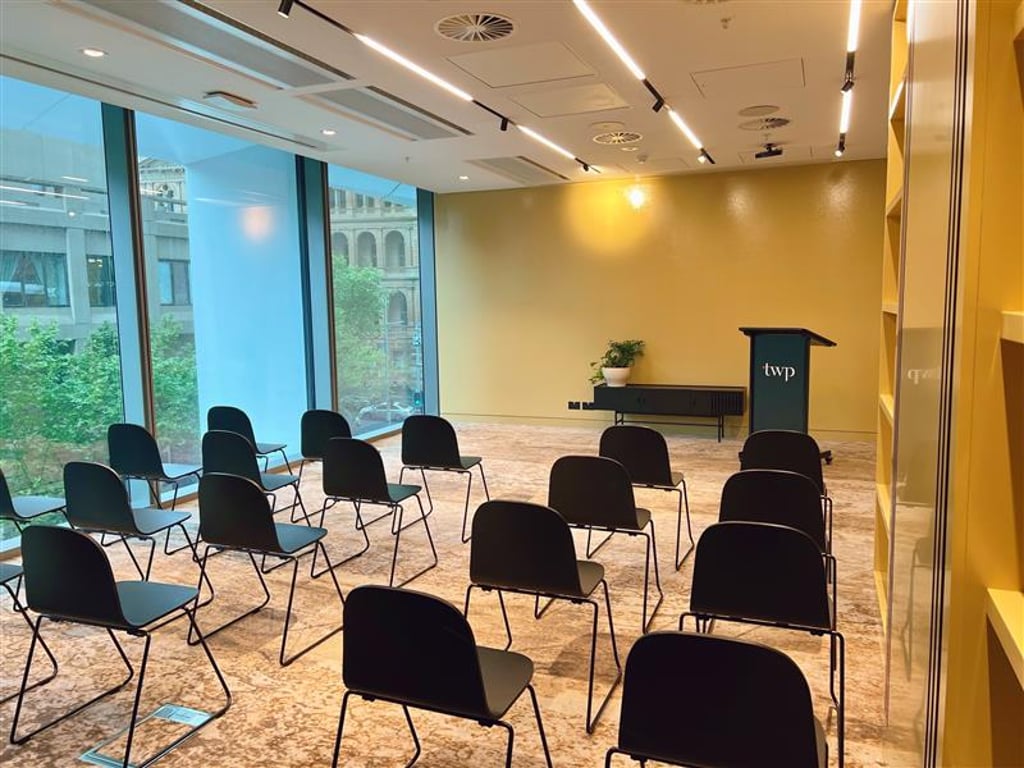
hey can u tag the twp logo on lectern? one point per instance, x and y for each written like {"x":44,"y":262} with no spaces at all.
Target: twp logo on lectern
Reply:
{"x":787,"y":372}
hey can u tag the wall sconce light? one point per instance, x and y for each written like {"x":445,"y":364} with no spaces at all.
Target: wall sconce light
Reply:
{"x":637,"y":197}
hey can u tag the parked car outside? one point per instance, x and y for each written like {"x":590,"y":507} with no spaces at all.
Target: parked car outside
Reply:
{"x":381,"y":414}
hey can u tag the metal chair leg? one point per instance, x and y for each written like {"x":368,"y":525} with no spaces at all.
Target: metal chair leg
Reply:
{"x":257,"y":609}
{"x":651,"y":553}
{"x":465,"y":506}
{"x":595,"y":550}
{"x":592,"y":721}
{"x":511,"y":739}
{"x":284,"y":659}
{"x":20,"y":609}
{"x":683,"y":499}
{"x":284,"y":456}
{"x":398,"y":532}
{"x":360,"y":553}
{"x":540,"y":724}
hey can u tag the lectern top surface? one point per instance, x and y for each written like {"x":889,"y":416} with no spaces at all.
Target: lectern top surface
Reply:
{"x":813,"y":337}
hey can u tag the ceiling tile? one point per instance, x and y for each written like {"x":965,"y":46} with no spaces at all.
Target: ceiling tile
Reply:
{"x":523,"y":64}
{"x":575,"y":100}
{"x":751,"y":80}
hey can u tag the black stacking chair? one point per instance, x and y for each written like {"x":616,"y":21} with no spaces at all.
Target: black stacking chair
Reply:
{"x":230,"y":453}
{"x":134,"y":455}
{"x":319,"y":426}
{"x":11,"y":574}
{"x":234,"y":515}
{"x":429,"y":442}
{"x":416,"y":650}
{"x":97,"y":502}
{"x":356,"y":474}
{"x":21,"y":510}
{"x":769,"y":575}
{"x":644,"y":453}
{"x":231,"y":419}
{"x":594,"y":492}
{"x":69,"y":579}
{"x":528,"y":549}
{"x":752,"y":706}
{"x":792,"y":451}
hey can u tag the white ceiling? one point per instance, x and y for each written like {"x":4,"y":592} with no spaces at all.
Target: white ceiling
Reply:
{"x":708,"y":58}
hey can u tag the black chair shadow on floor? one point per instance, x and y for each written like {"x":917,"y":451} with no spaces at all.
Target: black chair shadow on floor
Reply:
{"x":644,"y":453}
{"x":595,"y":493}
{"x":21,"y":510}
{"x":430,"y":443}
{"x":768,"y":575}
{"x":231,"y":419}
{"x":416,"y":650}
{"x":97,"y":502}
{"x":234,"y":515}
{"x":317,"y":427}
{"x":68,"y":579}
{"x":356,"y":474}
{"x":9,"y":573}
{"x":230,"y":453}
{"x":750,"y":705}
{"x":528,"y":549}
{"x":134,"y":454}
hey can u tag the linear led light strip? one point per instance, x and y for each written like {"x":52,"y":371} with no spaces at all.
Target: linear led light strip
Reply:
{"x":609,"y":39}
{"x":852,"y":37}
{"x":285,"y":8}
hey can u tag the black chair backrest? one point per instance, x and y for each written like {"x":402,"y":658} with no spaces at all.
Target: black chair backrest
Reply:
{"x":230,"y":419}
{"x":96,"y":497}
{"x":784,"y":449}
{"x":641,"y":450}
{"x":429,"y":441}
{"x":68,"y":576}
{"x":525,"y":546}
{"x":6,"y":501}
{"x":231,"y":454}
{"x":133,"y":451}
{"x":234,"y":512}
{"x":754,"y":707}
{"x":760,"y":571}
{"x":319,"y":426}
{"x":774,"y":496}
{"x":411,"y":647}
{"x":592,"y":490}
{"x":354,"y":469}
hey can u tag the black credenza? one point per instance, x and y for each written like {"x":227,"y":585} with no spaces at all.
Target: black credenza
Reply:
{"x":671,"y":400}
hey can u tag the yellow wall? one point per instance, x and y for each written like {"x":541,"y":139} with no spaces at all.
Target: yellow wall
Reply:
{"x":532,"y":283}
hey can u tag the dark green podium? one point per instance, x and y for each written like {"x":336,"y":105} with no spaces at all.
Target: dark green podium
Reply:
{"x":780,"y":376}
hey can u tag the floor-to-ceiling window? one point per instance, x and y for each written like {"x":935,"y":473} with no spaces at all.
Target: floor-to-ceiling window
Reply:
{"x":220,"y":232}
{"x":60,"y":374}
{"x":377,"y":303}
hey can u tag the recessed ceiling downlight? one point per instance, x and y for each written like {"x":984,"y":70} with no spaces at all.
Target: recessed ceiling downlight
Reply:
{"x":475,"y":27}
{"x":616,"y":138}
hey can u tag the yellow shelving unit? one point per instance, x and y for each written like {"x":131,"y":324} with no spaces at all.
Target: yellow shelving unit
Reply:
{"x":1005,"y":609}
{"x":1013,"y":327}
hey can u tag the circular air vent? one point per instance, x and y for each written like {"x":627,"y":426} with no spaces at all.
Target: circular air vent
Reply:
{"x":615,"y":138}
{"x":475,"y":27}
{"x":758,"y":110}
{"x":764,"y":124}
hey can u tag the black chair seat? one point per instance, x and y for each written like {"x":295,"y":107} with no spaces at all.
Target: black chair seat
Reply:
{"x":9,"y":571}
{"x":150,"y":520}
{"x":269,"y":447}
{"x":27,"y":507}
{"x":273,"y":482}
{"x":400,"y":493}
{"x":292,"y":538}
{"x":469,"y":461}
{"x":591,"y":574}
{"x":506,"y":675}
{"x":143,"y":602}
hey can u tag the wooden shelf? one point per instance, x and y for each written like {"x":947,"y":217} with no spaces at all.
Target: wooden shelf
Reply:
{"x":894,"y":208}
{"x":888,"y":405}
{"x":883,"y":598}
{"x":898,"y":103}
{"x":884,"y":501}
{"x":889,"y":307}
{"x":1005,"y":609}
{"x":1013,"y":327}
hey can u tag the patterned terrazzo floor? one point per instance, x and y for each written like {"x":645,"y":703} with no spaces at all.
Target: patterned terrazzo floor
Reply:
{"x":288,"y":716}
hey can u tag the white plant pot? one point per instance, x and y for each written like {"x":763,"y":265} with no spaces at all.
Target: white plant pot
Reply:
{"x":615,"y":377}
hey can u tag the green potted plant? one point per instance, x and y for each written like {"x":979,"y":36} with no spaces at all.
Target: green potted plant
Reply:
{"x":615,"y":365}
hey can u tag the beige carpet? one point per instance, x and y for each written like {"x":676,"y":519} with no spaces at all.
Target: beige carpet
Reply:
{"x":288,"y":716}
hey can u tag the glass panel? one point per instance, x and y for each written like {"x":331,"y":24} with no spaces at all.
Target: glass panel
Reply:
{"x":220,"y":225}
{"x":377,"y":299}
{"x":60,"y":366}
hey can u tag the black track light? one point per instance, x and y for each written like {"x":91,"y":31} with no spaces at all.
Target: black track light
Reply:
{"x":285,"y":8}
{"x":504,"y":124}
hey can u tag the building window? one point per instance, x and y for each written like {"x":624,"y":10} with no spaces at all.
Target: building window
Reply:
{"x":398,"y":309}
{"x":394,"y":250}
{"x":339,"y":246}
{"x":100,"y":271}
{"x":174,"y":286}
{"x":366,"y":250}
{"x":29,"y":279}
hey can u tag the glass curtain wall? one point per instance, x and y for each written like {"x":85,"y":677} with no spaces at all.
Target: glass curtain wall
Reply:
{"x":375,"y":264}
{"x":60,"y":365}
{"x":221,"y":237}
